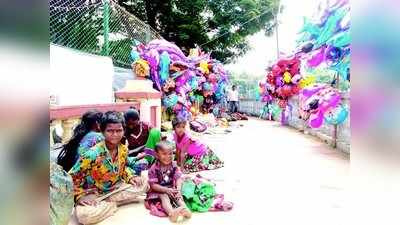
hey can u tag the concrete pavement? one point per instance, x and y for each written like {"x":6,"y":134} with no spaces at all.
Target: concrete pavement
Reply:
{"x":273,"y":174}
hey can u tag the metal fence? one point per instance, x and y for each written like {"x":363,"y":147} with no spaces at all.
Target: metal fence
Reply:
{"x":97,"y":27}
{"x":339,"y":136}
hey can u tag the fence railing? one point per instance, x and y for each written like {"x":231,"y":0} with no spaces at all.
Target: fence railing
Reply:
{"x":338,"y":137}
{"x":98,"y":27}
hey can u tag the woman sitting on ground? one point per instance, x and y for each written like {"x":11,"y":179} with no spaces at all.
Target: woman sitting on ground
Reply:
{"x":86,"y":135}
{"x":102,"y":170}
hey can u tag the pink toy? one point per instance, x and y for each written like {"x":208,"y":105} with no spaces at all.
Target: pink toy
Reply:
{"x":316,"y":101}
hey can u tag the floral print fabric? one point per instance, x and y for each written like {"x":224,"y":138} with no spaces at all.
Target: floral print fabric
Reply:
{"x":96,"y":173}
{"x":90,"y":140}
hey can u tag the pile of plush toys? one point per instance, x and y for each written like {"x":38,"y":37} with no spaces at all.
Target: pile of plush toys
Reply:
{"x":189,"y":83}
{"x":282,"y":81}
{"x":323,"y":50}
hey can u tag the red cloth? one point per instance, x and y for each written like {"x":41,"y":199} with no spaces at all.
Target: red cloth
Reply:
{"x":139,"y":141}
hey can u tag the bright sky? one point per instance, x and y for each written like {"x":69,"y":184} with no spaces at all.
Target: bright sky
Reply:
{"x":264,"y":48}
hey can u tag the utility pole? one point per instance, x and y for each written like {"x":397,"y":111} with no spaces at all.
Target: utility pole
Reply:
{"x":276,"y":31}
{"x":106,"y":27}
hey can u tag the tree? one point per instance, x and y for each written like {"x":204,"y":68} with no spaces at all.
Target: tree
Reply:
{"x":217,"y":26}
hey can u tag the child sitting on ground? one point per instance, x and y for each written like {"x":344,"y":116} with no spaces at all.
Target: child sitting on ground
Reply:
{"x":192,"y":155}
{"x":165,"y":183}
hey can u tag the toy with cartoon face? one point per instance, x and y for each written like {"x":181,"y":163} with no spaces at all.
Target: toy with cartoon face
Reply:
{"x":316,"y":101}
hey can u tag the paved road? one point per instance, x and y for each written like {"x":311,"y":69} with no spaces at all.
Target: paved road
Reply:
{"x":273,"y":174}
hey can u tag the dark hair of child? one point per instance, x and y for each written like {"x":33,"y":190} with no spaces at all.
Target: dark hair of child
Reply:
{"x":132,"y":114}
{"x":177,"y":121}
{"x":163,"y":145}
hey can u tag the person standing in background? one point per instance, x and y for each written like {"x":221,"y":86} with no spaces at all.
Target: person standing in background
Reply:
{"x":233,"y":98}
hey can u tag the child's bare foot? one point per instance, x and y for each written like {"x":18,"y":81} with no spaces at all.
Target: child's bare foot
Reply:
{"x":226,"y":206}
{"x":173,"y":217}
{"x":186,"y":213}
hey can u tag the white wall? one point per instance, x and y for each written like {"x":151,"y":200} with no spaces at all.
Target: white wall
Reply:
{"x":78,"y":78}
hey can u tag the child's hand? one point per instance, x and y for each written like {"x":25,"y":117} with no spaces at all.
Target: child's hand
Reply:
{"x":171,"y":192}
{"x":182,"y":164}
{"x":141,"y":155}
{"x":183,"y":170}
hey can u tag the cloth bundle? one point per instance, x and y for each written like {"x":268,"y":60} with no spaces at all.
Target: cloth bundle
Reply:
{"x":200,"y":196}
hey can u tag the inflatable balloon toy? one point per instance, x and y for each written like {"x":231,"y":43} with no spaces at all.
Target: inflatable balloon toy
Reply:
{"x":317,"y":101}
{"x":184,"y":114}
{"x":266,"y":98}
{"x":170,"y":100}
{"x":180,"y":80}
{"x":177,"y":107}
{"x":141,"y":68}
{"x":203,"y":66}
{"x":169,"y":85}
{"x":336,"y":115}
{"x":296,"y":78}
{"x":212,"y":78}
{"x":153,"y":58}
{"x":333,"y":55}
{"x":134,"y":55}
{"x":286,"y":91}
{"x":317,"y":58}
{"x":278,"y":81}
{"x":307,"y":47}
{"x":164,"y":66}
{"x":340,"y":40}
{"x":307,"y":81}
{"x":192,"y":78}
{"x":287,"y":77}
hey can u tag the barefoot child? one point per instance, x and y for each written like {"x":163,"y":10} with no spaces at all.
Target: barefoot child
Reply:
{"x":191,"y":155}
{"x":165,"y":183}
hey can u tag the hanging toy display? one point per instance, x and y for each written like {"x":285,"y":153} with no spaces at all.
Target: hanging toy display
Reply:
{"x":183,"y":80}
{"x":323,"y":49}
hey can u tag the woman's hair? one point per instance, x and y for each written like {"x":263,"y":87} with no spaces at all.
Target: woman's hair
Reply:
{"x":177,"y":121}
{"x":131,"y":114}
{"x":111,"y":117}
{"x":67,"y":156}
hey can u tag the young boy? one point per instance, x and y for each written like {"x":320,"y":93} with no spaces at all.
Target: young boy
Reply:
{"x":165,"y":183}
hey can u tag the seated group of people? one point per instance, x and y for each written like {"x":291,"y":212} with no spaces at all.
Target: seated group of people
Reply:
{"x":107,"y":154}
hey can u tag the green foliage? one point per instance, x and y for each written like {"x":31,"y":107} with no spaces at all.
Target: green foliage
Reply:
{"x":217,"y":26}
{"x":199,"y":22}
{"x":247,"y":83}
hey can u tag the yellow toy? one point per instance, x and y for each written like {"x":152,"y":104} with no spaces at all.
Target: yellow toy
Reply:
{"x":204,"y":67}
{"x":141,"y":68}
{"x":306,"y":81}
{"x":287,"y":77}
